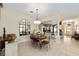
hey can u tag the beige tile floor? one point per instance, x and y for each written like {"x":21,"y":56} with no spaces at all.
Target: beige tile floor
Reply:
{"x":63,"y":47}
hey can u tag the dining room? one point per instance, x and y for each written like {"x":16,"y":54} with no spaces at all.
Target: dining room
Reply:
{"x":40,"y":29}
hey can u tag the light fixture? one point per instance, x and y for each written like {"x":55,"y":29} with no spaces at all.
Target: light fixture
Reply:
{"x":37,"y":21}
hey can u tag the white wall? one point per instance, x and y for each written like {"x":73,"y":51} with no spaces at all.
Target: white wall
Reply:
{"x":10,"y":20}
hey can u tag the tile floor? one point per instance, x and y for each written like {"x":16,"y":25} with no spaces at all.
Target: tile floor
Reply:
{"x":66,"y":46}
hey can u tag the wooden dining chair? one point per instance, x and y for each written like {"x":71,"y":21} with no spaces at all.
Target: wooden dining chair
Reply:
{"x":45,"y":43}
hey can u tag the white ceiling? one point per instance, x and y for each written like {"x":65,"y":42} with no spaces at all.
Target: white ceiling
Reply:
{"x":47,"y":10}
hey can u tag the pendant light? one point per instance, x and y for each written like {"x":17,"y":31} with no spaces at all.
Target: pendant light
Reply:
{"x":37,"y":21}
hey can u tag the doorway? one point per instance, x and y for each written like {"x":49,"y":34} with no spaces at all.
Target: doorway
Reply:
{"x":68,"y":28}
{"x":54,"y":29}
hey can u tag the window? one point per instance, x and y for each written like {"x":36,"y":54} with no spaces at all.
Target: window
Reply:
{"x":22,"y":28}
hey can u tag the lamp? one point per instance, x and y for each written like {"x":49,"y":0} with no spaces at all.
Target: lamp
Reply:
{"x":37,"y":21}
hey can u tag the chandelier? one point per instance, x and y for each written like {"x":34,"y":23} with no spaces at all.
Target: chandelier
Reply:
{"x":37,"y":21}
